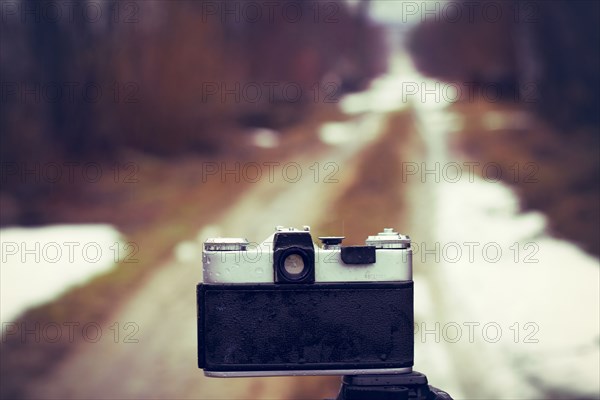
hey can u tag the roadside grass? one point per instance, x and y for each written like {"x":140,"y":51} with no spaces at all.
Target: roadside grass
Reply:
{"x":552,"y":171}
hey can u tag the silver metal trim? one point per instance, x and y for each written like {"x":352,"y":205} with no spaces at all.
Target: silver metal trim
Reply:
{"x":256,"y":266}
{"x":225,"y":244}
{"x":253,"y":374}
{"x":388,"y":239}
{"x":234,"y":260}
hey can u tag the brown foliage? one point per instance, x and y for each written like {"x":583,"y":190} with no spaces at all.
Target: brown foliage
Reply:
{"x":154,"y":73}
{"x":551,"y":48}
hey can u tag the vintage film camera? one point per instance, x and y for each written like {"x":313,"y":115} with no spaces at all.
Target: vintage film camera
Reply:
{"x":289,"y":307}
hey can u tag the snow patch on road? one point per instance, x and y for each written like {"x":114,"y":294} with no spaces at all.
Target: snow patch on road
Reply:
{"x":39,"y":264}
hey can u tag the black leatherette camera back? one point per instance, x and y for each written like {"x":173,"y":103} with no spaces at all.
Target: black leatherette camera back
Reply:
{"x":305,"y":327}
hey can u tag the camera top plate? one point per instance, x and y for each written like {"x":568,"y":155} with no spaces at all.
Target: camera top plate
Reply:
{"x":386,"y":257}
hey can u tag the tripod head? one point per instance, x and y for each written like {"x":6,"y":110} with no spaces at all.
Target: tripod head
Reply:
{"x":410,"y":386}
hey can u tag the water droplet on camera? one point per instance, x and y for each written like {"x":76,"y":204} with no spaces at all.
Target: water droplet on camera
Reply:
{"x":383,"y":357}
{"x":259,"y":270}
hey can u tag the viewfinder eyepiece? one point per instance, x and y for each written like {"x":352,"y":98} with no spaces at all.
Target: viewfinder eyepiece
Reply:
{"x":294,"y":257}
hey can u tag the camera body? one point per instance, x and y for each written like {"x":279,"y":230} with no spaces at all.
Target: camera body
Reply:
{"x":289,"y":307}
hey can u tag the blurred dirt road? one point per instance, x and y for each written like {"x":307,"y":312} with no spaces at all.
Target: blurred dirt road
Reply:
{"x":161,"y":316}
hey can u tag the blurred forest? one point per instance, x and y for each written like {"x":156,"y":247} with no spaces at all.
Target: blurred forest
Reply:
{"x":158,"y":65}
{"x":542,"y":59}
{"x":550,"y":45}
